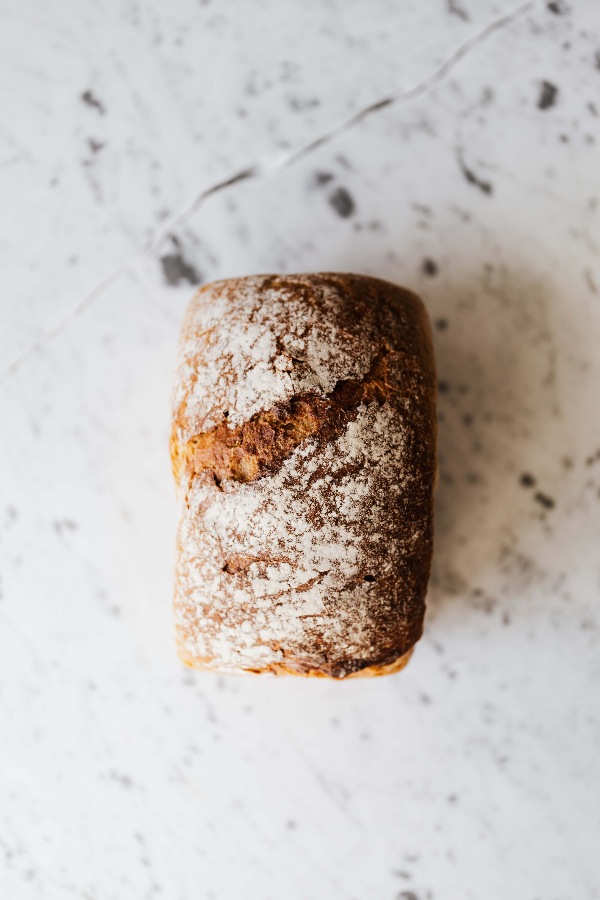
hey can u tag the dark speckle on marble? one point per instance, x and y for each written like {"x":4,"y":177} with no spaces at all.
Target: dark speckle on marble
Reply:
{"x":422,"y":208}
{"x":341,"y":201}
{"x":557,"y":7}
{"x":484,"y":186}
{"x":593,"y":458}
{"x":457,"y":9}
{"x":177,"y":269}
{"x":323,"y":177}
{"x":401,"y":873}
{"x":64,"y":525}
{"x":429,"y":267}
{"x":589,"y":279}
{"x":94,"y":145}
{"x":407,"y":895}
{"x":124,"y":780}
{"x":544,"y":500}
{"x":527,"y":480}
{"x":90,"y":99}
{"x":548,"y":95}
{"x":597,"y":60}
{"x":300,"y":104}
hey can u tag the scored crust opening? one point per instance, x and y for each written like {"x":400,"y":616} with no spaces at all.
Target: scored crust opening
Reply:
{"x":261,"y":445}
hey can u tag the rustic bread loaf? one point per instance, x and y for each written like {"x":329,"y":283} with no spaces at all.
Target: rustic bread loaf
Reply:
{"x":303,"y":446}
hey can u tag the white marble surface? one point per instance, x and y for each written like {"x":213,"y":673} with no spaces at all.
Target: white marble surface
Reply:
{"x":474,"y":775}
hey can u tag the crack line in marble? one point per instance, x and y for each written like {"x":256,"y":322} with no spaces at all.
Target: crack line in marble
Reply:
{"x":48,"y":336}
{"x":259,"y":170}
{"x":422,"y":87}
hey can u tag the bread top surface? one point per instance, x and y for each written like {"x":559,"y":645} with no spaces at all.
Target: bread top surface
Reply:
{"x":304,"y":444}
{"x":249,"y":343}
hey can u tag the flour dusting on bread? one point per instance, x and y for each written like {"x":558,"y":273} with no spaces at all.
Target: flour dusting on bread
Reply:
{"x":305,"y":468}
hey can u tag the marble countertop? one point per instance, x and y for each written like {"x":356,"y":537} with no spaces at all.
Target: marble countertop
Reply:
{"x":450,"y":146}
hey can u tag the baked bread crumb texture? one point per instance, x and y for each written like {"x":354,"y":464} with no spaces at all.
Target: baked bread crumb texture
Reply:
{"x":303,"y":448}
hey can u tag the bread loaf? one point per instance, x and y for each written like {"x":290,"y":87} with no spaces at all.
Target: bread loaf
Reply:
{"x":303,"y":447}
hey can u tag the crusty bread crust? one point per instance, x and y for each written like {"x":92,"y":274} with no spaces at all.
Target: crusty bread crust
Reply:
{"x":280,"y":669}
{"x":303,"y":446}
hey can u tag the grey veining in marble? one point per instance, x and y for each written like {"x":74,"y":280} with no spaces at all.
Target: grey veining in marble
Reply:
{"x":473,"y":775}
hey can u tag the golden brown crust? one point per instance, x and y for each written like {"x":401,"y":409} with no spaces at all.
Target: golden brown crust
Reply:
{"x":278,"y":669}
{"x":305,"y":531}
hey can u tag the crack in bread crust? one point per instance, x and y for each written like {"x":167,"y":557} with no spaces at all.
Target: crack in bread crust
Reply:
{"x":260,"y":446}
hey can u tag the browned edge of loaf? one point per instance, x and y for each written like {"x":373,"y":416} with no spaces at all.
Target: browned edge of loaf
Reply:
{"x":280,"y":669}
{"x":258,"y":448}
